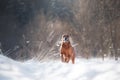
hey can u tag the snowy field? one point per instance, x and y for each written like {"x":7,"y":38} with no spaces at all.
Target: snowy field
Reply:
{"x":93,"y":69}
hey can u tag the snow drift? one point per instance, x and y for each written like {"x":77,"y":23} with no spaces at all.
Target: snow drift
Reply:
{"x":93,"y":69}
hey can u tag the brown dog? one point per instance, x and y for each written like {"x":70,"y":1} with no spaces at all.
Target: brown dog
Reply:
{"x":66,"y":50}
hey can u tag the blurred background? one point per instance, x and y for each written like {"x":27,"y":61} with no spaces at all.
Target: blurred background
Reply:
{"x":32,"y":28}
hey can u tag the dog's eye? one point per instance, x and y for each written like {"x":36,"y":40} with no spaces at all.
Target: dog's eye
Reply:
{"x":64,"y":36}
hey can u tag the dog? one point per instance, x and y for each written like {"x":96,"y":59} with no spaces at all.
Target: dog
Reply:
{"x":67,"y":51}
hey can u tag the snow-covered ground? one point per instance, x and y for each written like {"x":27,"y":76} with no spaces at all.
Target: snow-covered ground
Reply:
{"x":93,"y":69}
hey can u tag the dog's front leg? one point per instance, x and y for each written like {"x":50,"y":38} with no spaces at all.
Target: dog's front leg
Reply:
{"x":67,"y":59}
{"x":62,"y":58}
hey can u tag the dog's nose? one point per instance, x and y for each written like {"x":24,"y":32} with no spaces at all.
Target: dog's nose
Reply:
{"x":65,"y":39}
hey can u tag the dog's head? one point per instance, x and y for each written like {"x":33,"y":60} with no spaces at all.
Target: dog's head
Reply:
{"x":65,"y":38}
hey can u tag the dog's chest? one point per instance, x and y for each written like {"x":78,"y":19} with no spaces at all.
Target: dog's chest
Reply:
{"x":66,"y":45}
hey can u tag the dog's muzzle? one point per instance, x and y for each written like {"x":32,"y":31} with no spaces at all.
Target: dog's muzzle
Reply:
{"x":66,"y":39}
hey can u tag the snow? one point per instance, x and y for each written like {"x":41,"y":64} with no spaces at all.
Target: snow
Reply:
{"x":92,"y":69}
